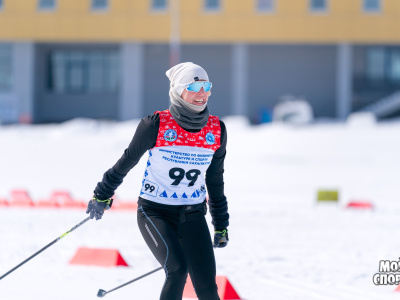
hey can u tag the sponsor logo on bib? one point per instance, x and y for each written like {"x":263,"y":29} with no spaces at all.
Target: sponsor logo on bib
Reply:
{"x":170,"y":135}
{"x":210,"y":138}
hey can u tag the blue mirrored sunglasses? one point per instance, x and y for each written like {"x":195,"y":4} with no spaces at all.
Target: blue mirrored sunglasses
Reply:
{"x":197,"y":85}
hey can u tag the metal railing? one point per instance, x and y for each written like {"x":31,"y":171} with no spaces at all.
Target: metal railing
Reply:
{"x":385,"y":106}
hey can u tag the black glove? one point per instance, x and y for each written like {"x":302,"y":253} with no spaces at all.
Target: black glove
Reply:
{"x":221,"y":238}
{"x":96,"y":207}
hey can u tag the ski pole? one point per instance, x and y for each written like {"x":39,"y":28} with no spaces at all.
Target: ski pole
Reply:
{"x":45,"y":247}
{"x":101,"y":293}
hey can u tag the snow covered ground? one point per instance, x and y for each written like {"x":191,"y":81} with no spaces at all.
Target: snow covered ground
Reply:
{"x":283,"y":245}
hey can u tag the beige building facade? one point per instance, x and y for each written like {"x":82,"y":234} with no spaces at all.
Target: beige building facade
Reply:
{"x":106,"y":59}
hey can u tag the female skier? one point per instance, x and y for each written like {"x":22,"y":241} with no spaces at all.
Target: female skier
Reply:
{"x":187,"y":148}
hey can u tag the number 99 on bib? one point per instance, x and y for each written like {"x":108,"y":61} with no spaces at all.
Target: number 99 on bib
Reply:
{"x":149,"y":188}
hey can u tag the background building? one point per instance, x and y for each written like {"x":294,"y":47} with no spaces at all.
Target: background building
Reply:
{"x":61,"y":59}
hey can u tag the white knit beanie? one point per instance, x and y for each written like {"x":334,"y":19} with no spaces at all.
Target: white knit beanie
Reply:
{"x":184,"y":73}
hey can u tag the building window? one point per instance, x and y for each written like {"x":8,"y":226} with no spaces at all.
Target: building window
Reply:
{"x":318,"y":5}
{"x":372,"y":5}
{"x":84,"y":72}
{"x":1,"y":4}
{"x":46,"y":4}
{"x":158,"y":5}
{"x":394,"y":66}
{"x":99,"y":4}
{"x":383,"y":65}
{"x":265,"y":5}
{"x":212,"y":5}
{"x":5,"y":68}
{"x":376,"y":60}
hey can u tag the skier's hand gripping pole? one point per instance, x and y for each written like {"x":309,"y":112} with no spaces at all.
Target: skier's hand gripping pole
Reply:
{"x":96,"y":207}
{"x":221,"y":238}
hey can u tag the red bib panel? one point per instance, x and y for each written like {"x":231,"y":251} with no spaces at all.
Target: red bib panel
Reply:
{"x":169,"y":127}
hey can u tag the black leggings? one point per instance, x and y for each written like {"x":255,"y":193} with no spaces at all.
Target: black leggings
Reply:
{"x":180,"y":240}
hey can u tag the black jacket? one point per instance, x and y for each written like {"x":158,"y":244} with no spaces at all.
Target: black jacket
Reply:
{"x":144,"y":139}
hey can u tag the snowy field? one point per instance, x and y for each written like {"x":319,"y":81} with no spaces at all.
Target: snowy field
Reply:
{"x":283,"y":244}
